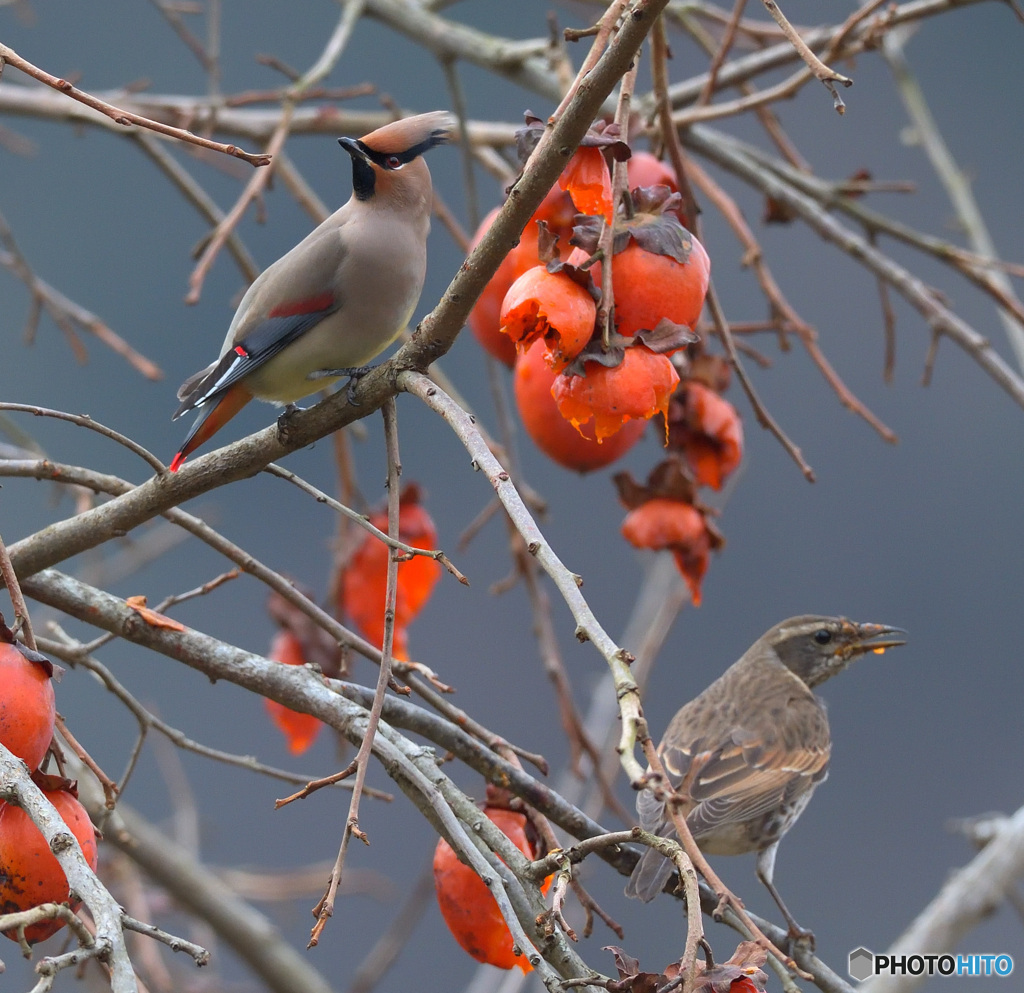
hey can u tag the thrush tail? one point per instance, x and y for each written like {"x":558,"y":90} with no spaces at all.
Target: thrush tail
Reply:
{"x":210,"y":421}
{"x":649,"y":876}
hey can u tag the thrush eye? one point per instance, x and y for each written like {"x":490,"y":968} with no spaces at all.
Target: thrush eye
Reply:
{"x":393,"y":162}
{"x":822,"y":636}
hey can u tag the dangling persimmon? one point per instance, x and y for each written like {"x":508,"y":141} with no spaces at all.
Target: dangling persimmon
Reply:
{"x":650,"y":287}
{"x":27,"y":709}
{"x":679,"y":527}
{"x":577,"y":449}
{"x":466,"y":904}
{"x":587,"y":180}
{"x":709,"y":432}
{"x":363,"y":589}
{"x":665,"y":515}
{"x":660,"y":271}
{"x":300,"y":730}
{"x":29,"y":872}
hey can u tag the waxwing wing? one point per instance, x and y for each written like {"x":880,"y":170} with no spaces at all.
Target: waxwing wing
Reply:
{"x":339,"y":297}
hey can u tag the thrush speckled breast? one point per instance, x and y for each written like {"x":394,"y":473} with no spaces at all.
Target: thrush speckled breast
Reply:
{"x":747,"y":754}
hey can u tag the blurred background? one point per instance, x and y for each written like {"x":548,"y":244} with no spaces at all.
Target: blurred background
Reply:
{"x":924,"y":534}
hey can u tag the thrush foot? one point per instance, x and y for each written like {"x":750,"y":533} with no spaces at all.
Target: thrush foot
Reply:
{"x":797,"y":936}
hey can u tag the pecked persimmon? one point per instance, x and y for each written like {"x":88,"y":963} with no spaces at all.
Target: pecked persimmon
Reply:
{"x":27,"y":709}
{"x":587,"y":180}
{"x":639,"y":387}
{"x":466,"y":904}
{"x":483,"y":319}
{"x":300,"y":730}
{"x":557,"y":211}
{"x":662,"y":523}
{"x":363,"y":588}
{"x":573,"y":448}
{"x":709,"y":432}
{"x":29,"y":872}
{"x":554,"y":306}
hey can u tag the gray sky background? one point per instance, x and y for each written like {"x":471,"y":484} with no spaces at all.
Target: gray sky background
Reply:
{"x":924,"y":535}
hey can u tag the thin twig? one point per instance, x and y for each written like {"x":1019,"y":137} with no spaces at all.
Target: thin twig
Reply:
{"x":85,"y":421}
{"x":65,"y":313}
{"x":718,"y":58}
{"x":364,"y":522}
{"x":821,"y":71}
{"x":22,"y":618}
{"x":325,"y":908}
{"x":253,"y":189}
{"x":760,"y":412}
{"x":198,"y":197}
{"x":66,"y":648}
{"x":125,"y":117}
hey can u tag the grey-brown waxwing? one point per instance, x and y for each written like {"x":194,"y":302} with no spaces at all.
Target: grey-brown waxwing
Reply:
{"x":338,"y":298}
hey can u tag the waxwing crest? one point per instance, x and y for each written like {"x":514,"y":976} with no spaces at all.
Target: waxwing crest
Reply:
{"x":411,"y":136}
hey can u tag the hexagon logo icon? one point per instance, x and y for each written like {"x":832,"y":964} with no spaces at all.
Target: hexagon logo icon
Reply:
{"x":862,"y":964}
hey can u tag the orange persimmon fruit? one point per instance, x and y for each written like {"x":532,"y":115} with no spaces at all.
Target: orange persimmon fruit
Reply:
{"x":27,"y":709}
{"x":363,"y":588}
{"x":644,"y":169}
{"x":300,"y":730}
{"x":576,"y":449}
{"x":650,"y":287}
{"x":550,"y":307}
{"x":29,"y":872}
{"x":557,"y":211}
{"x":709,"y":432}
{"x":661,"y":523}
{"x":587,"y":180}
{"x":639,"y":387}
{"x":466,"y":904}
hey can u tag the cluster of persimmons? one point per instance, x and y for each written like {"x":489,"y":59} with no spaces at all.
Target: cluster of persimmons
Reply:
{"x":589,"y":371}
{"x":29,"y":872}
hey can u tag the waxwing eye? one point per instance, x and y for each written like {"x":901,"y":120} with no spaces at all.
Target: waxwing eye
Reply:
{"x":393,"y":162}
{"x":822,"y":636}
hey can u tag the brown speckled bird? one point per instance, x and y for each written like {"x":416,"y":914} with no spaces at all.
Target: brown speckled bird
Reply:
{"x":749,"y":751}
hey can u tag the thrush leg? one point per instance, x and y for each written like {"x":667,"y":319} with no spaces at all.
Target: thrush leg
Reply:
{"x":766,"y":873}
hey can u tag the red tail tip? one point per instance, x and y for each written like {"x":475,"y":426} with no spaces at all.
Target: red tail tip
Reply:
{"x":177,"y":461}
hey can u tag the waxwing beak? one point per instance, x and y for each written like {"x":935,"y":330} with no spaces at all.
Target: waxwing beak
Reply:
{"x":352,"y":146}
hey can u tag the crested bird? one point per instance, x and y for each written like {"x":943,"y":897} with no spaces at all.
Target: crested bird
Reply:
{"x":747,"y":753}
{"x":339,"y":297}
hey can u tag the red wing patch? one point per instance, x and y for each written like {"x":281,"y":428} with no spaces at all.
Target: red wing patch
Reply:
{"x":310,"y":305}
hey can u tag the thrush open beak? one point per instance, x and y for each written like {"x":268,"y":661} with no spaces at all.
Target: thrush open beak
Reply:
{"x":877,"y":637}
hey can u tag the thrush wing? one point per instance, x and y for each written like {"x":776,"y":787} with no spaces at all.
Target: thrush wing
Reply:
{"x":757,"y":773}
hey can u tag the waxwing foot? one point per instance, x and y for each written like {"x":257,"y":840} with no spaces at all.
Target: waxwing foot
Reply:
{"x":284,"y":419}
{"x":354,"y":374}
